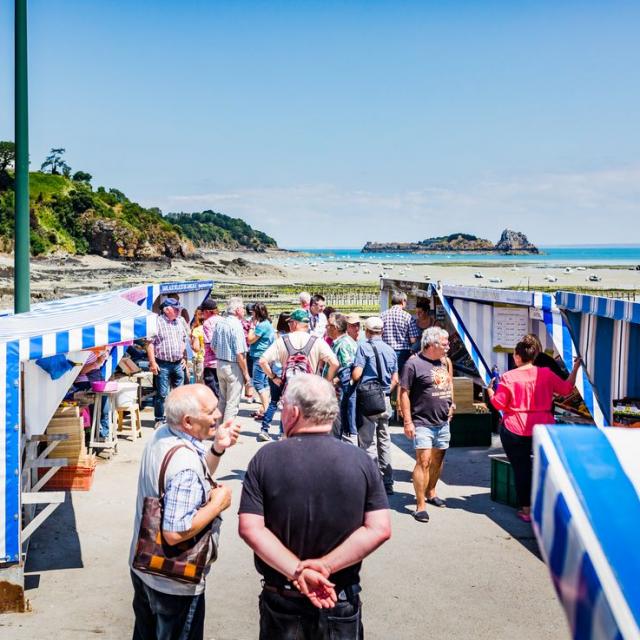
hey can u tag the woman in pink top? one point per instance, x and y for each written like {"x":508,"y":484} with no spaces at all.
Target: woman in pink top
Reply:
{"x":525,"y":396}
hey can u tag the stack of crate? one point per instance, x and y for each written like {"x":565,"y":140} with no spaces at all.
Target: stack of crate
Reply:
{"x":471,"y":424}
{"x":78,"y":474}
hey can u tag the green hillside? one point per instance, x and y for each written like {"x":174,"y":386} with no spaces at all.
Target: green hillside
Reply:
{"x":67,"y":215}
{"x":211,"y":229}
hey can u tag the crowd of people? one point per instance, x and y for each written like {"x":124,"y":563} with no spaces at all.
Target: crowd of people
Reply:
{"x":335,"y":380}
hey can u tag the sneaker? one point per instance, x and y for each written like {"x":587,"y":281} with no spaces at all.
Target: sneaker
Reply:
{"x":263,"y":436}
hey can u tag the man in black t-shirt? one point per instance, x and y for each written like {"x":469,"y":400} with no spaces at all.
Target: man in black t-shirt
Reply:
{"x":426,"y":398}
{"x":312,"y":509}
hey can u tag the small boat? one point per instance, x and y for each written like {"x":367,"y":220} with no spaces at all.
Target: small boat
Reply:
{"x":477,"y":274}
{"x":581,"y":268}
{"x":594,"y":278}
{"x":495,"y":280}
{"x":568,"y":270}
{"x":551,"y":279}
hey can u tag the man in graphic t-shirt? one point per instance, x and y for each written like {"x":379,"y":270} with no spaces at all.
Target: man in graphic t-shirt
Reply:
{"x":426,"y":397}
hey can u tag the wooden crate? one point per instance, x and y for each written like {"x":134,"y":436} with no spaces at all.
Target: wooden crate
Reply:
{"x":71,"y":426}
{"x":463,"y":394}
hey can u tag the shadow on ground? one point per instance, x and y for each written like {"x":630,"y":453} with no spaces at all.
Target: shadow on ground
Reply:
{"x":58,"y":535}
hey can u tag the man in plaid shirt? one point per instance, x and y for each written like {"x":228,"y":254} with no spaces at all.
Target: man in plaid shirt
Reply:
{"x":398,"y":331}
{"x":163,"y":607}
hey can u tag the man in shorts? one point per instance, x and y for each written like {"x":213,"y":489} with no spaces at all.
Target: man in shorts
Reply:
{"x":426,"y":398}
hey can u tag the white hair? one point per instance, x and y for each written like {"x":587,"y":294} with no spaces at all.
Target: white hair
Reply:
{"x":432,"y":336}
{"x":233,"y":304}
{"x":304,"y":297}
{"x":314,"y":397}
{"x":179,"y":405}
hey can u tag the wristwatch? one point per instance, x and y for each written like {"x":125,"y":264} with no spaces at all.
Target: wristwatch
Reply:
{"x":215,"y":453}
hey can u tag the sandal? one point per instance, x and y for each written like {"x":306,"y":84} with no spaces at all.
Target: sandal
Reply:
{"x":525,"y":517}
{"x":421,"y":516}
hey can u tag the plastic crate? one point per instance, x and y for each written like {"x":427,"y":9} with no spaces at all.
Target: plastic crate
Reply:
{"x":471,"y":430}
{"x":71,"y":479}
{"x":503,"y":486}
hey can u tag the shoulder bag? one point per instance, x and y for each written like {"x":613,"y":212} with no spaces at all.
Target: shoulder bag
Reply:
{"x":184,"y":562}
{"x":370,"y":395}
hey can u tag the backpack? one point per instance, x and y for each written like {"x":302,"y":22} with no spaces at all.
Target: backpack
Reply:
{"x":370,"y":395}
{"x":297,"y":359}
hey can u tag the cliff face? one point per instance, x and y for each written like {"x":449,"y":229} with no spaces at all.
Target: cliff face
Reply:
{"x":510,"y":242}
{"x":514,"y":242}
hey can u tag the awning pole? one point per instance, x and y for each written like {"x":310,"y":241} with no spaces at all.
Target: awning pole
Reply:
{"x":22,"y":248}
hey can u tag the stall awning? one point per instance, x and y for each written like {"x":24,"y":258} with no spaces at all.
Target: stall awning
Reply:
{"x":586,"y":514}
{"x":607,"y":332}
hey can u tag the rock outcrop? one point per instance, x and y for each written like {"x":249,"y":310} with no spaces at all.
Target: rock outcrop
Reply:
{"x":510,"y":242}
{"x":514,"y":242}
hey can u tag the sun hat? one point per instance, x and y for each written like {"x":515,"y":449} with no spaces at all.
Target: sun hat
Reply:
{"x":374,"y":323}
{"x":353,"y":318}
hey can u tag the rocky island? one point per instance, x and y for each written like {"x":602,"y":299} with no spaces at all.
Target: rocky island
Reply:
{"x":511,"y":242}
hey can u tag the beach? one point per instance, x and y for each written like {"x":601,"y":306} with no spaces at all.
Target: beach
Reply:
{"x":62,"y":276}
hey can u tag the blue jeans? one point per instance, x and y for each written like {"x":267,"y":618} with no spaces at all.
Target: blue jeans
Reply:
{"x":84,"y":385}
{"x":163,"y":616}
{"x":403,"y":356}
{"x":276,"y":392}
{"x":290,"y":617}
{"x":347,"y":402}
{"x":170,"y":375}
{"x":259,"y":378}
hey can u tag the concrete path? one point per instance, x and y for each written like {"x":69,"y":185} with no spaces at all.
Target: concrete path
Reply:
{"x":472,"y":572}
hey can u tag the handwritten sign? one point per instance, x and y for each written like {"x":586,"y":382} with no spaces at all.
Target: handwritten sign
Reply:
{"x":509,"y":325}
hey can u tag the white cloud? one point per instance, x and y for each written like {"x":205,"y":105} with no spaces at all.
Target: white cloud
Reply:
{"x":588,"y":207}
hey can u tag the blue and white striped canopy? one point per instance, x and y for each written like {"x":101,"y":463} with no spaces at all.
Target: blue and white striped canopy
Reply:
{"x":471,"y":310}
{"x":607,"y":332}
{"x":586,"y":517}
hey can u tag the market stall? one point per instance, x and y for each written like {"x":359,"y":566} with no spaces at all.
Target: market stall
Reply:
{"x":488,"y":323}
{"x":607,"y":332}
{"x":586,"y":511}
{"x":60,"y":333}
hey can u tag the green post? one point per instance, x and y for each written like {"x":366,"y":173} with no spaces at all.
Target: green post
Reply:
{"x":22,"y":247}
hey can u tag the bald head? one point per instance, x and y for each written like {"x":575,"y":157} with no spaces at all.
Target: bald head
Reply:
{"x":192,"y":408}
{"x":309,"y":404}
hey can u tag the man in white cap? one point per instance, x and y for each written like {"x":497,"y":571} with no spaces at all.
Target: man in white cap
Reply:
{"x":376,"y":360}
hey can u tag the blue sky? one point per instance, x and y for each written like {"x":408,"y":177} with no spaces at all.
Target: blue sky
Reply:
{"x":332,"y":123}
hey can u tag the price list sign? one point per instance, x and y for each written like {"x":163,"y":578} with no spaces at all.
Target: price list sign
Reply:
{"x":510,"y":324}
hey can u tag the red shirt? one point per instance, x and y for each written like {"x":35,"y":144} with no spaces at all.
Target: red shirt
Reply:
{"x":525,"y":397}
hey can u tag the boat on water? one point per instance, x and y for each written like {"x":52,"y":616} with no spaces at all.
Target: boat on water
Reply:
{"x":594,"y":278}
{"x":478,"y":274}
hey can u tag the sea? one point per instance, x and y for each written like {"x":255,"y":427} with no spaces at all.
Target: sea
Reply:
{"x":586,"y":255}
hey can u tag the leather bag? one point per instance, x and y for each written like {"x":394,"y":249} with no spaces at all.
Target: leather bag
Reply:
{"x":184,"y":562}
{"x":370,"y":395}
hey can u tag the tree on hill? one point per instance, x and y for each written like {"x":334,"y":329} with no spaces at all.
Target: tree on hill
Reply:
{"x":7,"y":154}
{"x":81,"y":176}
{"x":55,"y":163}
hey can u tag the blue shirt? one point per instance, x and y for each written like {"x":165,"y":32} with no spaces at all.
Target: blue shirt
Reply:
{"x":366,"y":359}
{"x":266,"y":335}
{"x":228,"y":339}
{"x":184,"y":494}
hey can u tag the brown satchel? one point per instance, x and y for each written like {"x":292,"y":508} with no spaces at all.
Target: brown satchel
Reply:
{"x":184,"y":562}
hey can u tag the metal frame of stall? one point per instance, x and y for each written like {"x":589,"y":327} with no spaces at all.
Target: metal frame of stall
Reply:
{"x":67,"y":326}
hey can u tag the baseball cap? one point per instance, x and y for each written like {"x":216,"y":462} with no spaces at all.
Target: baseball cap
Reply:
{"x":209,"y":305}
{"x":170,"y":302}
{"x":299,"y":315}
{"x":374,"y":323}
{"x":353,"y":318}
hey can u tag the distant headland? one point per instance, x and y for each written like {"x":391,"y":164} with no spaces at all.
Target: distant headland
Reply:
{"x":511,"y":242}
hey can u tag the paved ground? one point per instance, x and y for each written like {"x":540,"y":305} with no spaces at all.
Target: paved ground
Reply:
{"x":472,"y":572}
